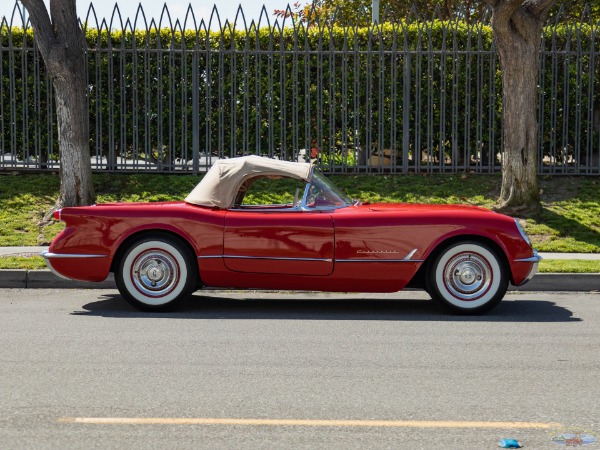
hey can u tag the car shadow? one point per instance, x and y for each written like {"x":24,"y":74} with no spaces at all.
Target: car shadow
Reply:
{"x":210,"y":307}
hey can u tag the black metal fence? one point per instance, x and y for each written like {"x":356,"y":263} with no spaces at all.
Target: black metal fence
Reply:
{"x":413,"y":96}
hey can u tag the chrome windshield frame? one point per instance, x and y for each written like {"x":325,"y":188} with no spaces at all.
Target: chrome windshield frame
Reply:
{"x":330,"y":188}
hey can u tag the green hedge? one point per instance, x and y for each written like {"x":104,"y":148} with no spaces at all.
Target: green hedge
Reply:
{"x":272,"y":91}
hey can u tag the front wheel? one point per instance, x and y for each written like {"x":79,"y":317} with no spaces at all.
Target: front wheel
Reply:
{"x":155,"y":273}
{"x":467,"y":277}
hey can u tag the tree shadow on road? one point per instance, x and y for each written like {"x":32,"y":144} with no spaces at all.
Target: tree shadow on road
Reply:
{"x":336,"y":308}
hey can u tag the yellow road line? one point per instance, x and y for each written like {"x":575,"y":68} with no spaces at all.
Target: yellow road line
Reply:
{"x":302,"y":422}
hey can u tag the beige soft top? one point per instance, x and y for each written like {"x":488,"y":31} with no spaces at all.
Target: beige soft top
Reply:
{"x":222,"y":182}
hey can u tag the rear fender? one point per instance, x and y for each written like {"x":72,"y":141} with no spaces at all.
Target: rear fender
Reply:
{"x":148,"y":229}
{"x":156,"y":232}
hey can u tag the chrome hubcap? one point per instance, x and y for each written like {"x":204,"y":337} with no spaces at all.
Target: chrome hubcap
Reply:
{"x":467,"y":276}
{"x":155,"y":273}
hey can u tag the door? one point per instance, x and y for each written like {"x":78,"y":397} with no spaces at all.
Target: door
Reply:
{"x":292,"y":243}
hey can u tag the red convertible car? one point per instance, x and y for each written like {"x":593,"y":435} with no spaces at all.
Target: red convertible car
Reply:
{"x":463,"y":256}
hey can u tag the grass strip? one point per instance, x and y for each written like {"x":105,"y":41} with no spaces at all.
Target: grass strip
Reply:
{"x":569,"y":220}
{"x":569,"y":266}
{"x":22,"y":262}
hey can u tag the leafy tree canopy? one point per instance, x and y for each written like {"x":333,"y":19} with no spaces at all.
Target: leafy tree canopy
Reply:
{"x":358,"y":12}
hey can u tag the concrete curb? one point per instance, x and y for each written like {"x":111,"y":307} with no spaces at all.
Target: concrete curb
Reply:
{"x":45,"y":279}
{"x":32,"y":279}
{"x":13,"y":278}
{"x":565,"y":282}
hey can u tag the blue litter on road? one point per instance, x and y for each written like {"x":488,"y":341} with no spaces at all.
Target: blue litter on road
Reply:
{"x":510,"y":443}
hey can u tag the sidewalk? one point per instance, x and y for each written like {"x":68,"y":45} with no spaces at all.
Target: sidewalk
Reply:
{"x":26,"y":251}
{"x":17,"y":278}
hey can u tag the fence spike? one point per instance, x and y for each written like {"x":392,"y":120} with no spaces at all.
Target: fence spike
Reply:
{"x":189,"y":12}
{"x":140,"y":13}
{"x":21,"y":14}
{"x":263,"y":13}
{"x":116,"y":11}
{"x":240,"y":14}
{"x":215,"y":14}
{"x":288,"y":13}
{"x":165,"y":10}
{"x":413,"y":14}
{"x":388,"y":15}
{"x":91,"y":10}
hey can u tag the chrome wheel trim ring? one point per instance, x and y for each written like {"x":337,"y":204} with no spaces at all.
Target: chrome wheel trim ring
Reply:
{"x":484,"y":296}
{"x":155,"y":273}
{"x":468,"y":276}
{"x":172,"y":290}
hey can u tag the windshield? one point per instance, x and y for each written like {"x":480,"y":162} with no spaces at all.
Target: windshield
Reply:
{"x":323,"y":193}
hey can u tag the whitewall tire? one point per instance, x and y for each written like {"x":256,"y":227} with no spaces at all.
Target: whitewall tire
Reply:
{"x":467,"y":277}
{"x":156,"y":272}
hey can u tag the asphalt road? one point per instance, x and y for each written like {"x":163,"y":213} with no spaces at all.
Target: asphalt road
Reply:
{"x":276,"y":371}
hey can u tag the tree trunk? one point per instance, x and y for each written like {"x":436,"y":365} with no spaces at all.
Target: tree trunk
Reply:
{"x":519,"y":65}
{"x":517,"y":29}
{"x":76,"y":186}
{"x":62,"y":46}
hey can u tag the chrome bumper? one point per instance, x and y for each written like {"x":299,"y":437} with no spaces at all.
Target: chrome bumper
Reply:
{"x":535,"y":259}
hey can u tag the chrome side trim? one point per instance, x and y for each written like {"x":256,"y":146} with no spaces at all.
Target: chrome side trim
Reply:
{"x":411,"y":254}
{"x":47,"y":255}
{"x":267,"y":209}
{"x":535,"y":258}
{"x":378,"y":260}
{"x":267,"y":257}
{"x":407,"y":258}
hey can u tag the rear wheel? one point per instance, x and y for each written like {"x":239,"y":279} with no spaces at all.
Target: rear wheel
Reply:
{"x":156,"y":273}
{"x":467,"y":277}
